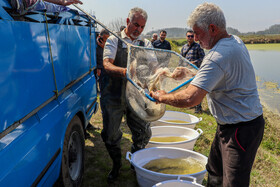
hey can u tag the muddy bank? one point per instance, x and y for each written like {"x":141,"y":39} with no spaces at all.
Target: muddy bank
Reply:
{"x":269,"y":95}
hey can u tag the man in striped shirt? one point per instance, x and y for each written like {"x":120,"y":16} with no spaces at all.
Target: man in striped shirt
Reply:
{"x":195,"y":54}
{"x":192,"y":50}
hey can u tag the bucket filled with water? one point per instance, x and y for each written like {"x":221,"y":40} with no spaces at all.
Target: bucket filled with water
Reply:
{"x":177,"y":119}
{"x":173,"y":136}
{"x":179,"y":183}
{"x":157,"y":164}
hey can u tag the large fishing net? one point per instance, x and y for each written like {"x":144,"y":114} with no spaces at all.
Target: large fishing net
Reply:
{"x":150,"y":69}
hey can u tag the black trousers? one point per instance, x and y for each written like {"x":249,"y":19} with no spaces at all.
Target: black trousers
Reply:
{"x":112,"y":113}
{"x":233,"y":152}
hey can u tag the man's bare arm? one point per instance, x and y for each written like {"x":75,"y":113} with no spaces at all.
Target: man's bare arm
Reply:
{"x":113,"y":70}
{"x":64,"y":2}
{"x":189,"y":97}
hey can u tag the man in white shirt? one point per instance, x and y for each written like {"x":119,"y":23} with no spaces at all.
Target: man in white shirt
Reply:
{"x":113,"y":101}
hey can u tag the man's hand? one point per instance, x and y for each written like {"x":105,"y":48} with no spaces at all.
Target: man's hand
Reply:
{"x":70,"y":2}
{"x":194,"y":63}
{"x":101,"y":43}
{"x":65,"y":2}
{"x":98,"y":72}
{"x":156,"y":95}
{"x":124,"y":72}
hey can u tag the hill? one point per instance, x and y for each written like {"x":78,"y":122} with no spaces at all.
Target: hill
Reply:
{"x":274,"y":29}
{"x":171,"y":32}
{"x":181,"y":32}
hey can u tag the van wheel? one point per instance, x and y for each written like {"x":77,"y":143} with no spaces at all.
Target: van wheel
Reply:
{"x":72,"y":166}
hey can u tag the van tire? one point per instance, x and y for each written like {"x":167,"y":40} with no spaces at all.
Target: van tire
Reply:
{"x":72,"y":166}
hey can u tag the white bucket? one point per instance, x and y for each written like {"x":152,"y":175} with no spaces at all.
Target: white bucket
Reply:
{"x":190,"y":120}
{"x":190,"y":134}
{"x":179,"y":183}
{"x":147,"y":178}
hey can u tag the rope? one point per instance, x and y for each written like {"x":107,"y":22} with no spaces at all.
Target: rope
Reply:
{"x":50,"y":49}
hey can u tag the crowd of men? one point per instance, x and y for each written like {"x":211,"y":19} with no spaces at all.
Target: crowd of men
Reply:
{"x":225,"y":76}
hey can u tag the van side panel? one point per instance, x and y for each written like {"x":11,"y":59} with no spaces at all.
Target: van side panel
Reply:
{"x":26,"y":73}
{"x":32,"y":151}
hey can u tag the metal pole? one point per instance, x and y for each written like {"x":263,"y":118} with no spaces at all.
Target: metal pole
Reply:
{"x":101,"y":24}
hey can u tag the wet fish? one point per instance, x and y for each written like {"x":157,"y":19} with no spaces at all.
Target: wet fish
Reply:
{"x":165,"y":80}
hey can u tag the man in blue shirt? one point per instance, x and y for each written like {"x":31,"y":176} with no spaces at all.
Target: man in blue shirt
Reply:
{"x":162,"y":43}
{"x":195,"y":54}
{"x":162,"y":57}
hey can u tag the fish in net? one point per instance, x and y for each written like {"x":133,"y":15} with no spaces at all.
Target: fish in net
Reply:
{"x":150,"y":69}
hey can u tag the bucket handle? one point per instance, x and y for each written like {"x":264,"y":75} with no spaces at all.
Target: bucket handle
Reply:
{"x":128,"y":156}
{"x":200,"y":119}
{"x":188,"y":177}
{"x":199,"y":131}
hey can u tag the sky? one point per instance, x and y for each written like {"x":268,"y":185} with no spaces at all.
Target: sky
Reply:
{"x":244,"y":15}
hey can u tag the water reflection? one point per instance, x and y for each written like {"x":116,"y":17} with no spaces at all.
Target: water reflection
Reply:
{"x":267,"y":65}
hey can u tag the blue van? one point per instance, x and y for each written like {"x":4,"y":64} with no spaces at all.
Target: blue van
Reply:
{"x":47,"y":96}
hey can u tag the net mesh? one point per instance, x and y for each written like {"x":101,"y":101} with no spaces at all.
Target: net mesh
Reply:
{"x":150,"y":69}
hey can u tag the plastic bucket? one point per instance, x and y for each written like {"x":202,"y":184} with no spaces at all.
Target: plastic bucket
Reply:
{"x":160,"y":131}
{"x":147,"y":178}
{"x":179,"y":183}
{"x":187,"y":120}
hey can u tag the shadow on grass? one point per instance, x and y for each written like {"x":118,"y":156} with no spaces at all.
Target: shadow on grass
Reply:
{"x":98,"y":163}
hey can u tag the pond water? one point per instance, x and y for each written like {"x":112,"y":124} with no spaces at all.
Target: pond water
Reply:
{"x":267,"y":66}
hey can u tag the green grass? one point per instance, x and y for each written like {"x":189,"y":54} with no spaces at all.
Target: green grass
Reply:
{"x":265,"y":172}
{"x":178,"y":43}
{"x":207,"y":125}
{"x":264,"y":47}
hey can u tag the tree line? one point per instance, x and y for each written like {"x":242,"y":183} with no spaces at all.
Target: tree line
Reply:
{"x":181,"y":33}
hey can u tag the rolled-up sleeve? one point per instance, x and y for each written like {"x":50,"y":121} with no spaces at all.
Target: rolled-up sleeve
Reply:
{"x":208,"y":76}
{"x":110,"y":48}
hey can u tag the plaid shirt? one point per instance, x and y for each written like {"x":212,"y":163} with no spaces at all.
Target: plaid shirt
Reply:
{"x":195,"y":54}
